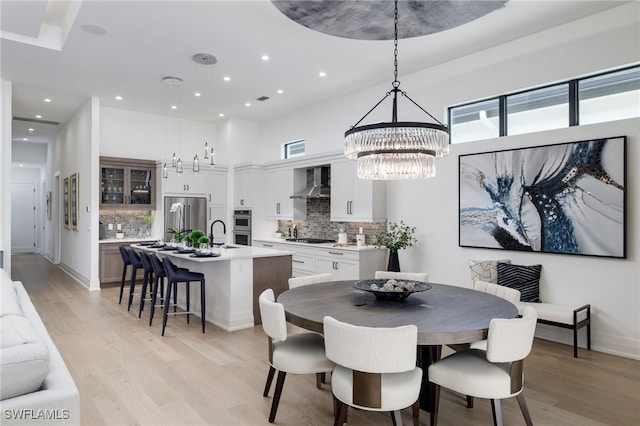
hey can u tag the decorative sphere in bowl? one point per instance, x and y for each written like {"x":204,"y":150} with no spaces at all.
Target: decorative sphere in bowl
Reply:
{"x":391,"y":289}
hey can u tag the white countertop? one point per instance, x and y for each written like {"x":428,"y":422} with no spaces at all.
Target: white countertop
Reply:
{"x":322,"y":245}
{"x":230,"y":253}
{"x":126,"y":240}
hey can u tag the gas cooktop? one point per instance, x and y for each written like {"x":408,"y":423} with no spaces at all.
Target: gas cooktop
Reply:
{"x":310,"y":240}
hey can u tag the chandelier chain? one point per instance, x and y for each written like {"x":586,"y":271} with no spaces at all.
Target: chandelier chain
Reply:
{"x":395,"y":83}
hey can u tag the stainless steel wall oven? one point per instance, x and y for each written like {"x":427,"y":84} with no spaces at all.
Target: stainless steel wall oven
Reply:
{"x":242,"y":227}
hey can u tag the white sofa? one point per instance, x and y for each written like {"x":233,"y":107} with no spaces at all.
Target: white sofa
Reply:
{"x":35,"y":384}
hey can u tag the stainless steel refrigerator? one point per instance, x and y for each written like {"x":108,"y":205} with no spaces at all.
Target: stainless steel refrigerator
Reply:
{"x":189,"y":215}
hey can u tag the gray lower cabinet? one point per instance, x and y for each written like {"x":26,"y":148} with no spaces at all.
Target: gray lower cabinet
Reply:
{"x":110,"y":262}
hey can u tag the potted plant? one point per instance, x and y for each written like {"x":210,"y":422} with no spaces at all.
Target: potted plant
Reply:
{"x":396,"y":237}
{"x":203,"y":242}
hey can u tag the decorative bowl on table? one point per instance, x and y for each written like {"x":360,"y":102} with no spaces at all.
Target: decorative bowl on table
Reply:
{"x":391,"y":289}
{"x":147,"y":243}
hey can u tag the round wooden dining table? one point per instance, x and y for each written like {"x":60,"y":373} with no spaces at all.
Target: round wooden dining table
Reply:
{"x":444,"y":314}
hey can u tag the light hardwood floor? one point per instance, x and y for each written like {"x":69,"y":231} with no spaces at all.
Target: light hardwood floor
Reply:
{"x":128,"y":374}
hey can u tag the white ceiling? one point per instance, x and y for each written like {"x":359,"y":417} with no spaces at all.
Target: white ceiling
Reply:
{"x":147,"y":40}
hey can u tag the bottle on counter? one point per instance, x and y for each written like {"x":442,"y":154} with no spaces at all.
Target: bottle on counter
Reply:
{"x":360,"y":238}
{"x":295,"y":231}
{"x":342,"y":237}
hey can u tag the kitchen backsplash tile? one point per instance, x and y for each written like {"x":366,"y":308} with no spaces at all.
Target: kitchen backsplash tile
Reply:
{"x":318,"y":224}
{"x":132,"y":223}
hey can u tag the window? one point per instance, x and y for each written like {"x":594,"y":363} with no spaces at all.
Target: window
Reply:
{"x":475,"y":121}
{"x":537,"y":110}
{"x":607,"y":96}
{"x":294,"y":149}
{"x":611,"y":96}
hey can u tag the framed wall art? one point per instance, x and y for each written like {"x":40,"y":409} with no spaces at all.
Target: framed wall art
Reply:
{"x":65,"y":203}
{"x":49,"y":200}
{"x":74,"y":197}
{"x":567,"y":198}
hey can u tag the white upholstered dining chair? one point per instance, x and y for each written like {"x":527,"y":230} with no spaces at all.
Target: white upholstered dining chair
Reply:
{"x":495,"y":374}
{"x":413,"y":276}
{"x":376,"y":369}
{"x":310,"y":279}
{"x":509,"y":294}
{"x":301,"y":353}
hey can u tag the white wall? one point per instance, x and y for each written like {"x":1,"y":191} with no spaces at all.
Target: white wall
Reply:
{"x":597,"y":43}
{"x":5,"y":174}
{"x":132,"y":134}
{"x":73,"y":154}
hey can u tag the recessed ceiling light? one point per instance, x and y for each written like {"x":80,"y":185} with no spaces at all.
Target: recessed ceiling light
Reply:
{"x":280,"y":91}
{"x":265,"y":57}
{"x":118,"y":98}
{"x":322,"y":74}
{"x":25,"y":139}
{"x":197,"y":94}
{"x":247,"y":104}
{"x":38,"y":116}
{"x":227,"y":79}
{"x":21,"y":165}
{"x":31,"y":130}
{"x":174,"y":107}
{"x":47,"y":100}
{"x":221,"y":115}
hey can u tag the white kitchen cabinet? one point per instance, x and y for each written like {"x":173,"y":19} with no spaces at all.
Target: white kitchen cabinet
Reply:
{"x":281,"y":183}
{"x":248,"y":186}
{"x":341,"y":264}
{"x":354,"y":199}
{"x":303,"y":260}
{"x":217,"y":187}
{"x":268,"y":244}
{"x":187,"y":183}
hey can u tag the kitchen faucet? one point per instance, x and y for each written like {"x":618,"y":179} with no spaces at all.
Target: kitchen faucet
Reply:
{"x":224,"y":230}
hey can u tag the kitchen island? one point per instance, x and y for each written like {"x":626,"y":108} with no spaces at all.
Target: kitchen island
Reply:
{"x":234,"y":280}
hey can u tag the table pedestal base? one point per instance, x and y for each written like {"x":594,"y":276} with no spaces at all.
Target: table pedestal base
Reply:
{"x":427,"y":355}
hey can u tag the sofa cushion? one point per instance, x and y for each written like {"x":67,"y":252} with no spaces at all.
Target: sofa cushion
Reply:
{"x":24,"y":357}
{"x":525,"y":279}
{"x":553,"y":312}
{"x":485,"y":270}
{"x":9,"y":304}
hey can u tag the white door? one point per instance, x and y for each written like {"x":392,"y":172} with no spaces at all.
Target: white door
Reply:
{"x":23,"y":218}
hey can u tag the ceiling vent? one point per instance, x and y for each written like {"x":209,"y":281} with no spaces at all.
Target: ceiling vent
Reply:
{"x":262,"y":98}
{"x":36,"y":120}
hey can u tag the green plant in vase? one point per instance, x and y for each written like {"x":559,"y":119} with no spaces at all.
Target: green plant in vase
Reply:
{"x":203,"y":242}
{"x":396,"y":237}
{"x":194,"y":237}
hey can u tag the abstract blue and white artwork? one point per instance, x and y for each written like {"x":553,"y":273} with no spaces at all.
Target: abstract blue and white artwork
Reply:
{"x":565,"y":198}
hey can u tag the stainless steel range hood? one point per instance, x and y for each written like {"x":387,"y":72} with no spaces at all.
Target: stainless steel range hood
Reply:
{"x":320,"y":187}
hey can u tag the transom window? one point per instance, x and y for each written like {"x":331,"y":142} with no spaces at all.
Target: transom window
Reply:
{"x":603,"y":97}
{"x":293,"y":149}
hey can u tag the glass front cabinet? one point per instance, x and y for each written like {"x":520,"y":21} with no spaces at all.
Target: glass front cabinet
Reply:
{"x":127,"y":183}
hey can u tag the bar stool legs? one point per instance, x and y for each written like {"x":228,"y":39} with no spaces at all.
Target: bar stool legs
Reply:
{"x":175,"y":276}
